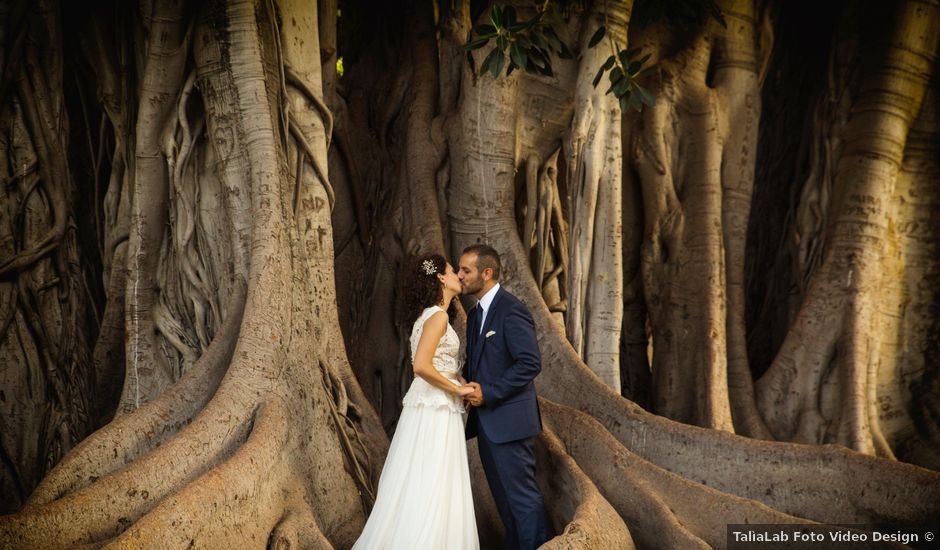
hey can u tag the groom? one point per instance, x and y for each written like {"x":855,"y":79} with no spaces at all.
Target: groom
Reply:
{"x":502,"y":361}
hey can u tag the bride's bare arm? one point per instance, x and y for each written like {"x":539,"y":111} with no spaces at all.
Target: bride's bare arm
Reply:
{"x":431,"y":335}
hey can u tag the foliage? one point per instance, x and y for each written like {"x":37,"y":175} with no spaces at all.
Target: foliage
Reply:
{"x":530,"y":44}
{"x":624,"y":69}
{"x":527,"y":45}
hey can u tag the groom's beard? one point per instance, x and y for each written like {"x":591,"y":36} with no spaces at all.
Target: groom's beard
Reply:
{"x":472,"y":290}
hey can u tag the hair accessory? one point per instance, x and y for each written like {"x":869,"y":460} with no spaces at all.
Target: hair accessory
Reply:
{"x":429,"y":267}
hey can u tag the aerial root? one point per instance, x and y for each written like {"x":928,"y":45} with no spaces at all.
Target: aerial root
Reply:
{"x":107,"y":506}
{"x":130,"y":436}
{"x":234,"y":504}
{"x":574,"y":502}
{"x":298,"y":529}
{"x":663,"y":508}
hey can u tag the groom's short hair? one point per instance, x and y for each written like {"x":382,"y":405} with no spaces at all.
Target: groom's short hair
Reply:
{"x":487,"y":257}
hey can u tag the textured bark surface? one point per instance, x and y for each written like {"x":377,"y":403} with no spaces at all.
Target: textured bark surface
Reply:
{"x":232,"y":295}
{"x":48,"y":318}
{"x":272,"y":394}
{"x":595,"y":178}
{"x":827,"y":391}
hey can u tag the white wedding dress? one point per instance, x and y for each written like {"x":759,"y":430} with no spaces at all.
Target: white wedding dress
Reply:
{"x":424,"y":499}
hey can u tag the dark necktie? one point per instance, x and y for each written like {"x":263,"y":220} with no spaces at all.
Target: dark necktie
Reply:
{"x":477,"y":320}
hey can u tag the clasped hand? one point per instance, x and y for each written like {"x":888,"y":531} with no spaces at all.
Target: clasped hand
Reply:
{"x":472,"y":393}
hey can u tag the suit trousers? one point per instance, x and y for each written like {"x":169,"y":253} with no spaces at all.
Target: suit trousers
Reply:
{"x":510,"y":472}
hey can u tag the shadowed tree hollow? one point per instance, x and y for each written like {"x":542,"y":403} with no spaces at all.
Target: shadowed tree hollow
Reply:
{"x":202,"y":220}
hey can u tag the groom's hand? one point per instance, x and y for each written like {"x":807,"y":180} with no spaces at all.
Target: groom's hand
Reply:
{"x":475,"y":398}
{"x":472,"y":385}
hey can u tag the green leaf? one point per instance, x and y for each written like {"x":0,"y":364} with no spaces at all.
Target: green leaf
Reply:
{"x":622,"y":87}
{"x":631,"y":53}
{"x":649,"y":70}
{"x":537,"y":57}
{"x":624,"y":105}
{"x":645,"y":95}
{"x":496,"y":16}
{"x":600,"y":72}
{"x":518,"y":55}
{"x":634,"y":67}
{"x":553,"y":39}
{"x":484,"y":29}
{"x":488,"y":61}
{"x":616,"y":76}
{"x":597,"y":37}
{"x":502,"y":42}
{"x":635,"y":102}
{"x":497,"y":65}
{"x":530,"y":23}
{"x":557,"y":45}
{"x":623,"y":57}
{"x":475,"y":44}
{"x":539,"y":40}
{"x":509,"y":16}
{"x":525,"y":25}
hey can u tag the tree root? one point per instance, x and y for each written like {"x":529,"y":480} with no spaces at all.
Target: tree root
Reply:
{"x":663,"y":509}
{"x":38,"y":102}
{"x":131,"y":436}
{"x":298,"y":529}
{"x":828,"y":484}
{"x":108,"y":355}
{"x":224,"y":507}
{"x":148,"y":371}
{"x":108,"y":506}
{"x":737,"y":70}
{"x":573,"y":501}
{"x":853,"y":269}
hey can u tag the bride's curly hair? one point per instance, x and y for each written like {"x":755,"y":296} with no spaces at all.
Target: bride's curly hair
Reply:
{"x":419,"y":289}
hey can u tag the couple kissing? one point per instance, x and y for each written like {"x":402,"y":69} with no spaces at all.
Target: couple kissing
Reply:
{"x":424,"y":495}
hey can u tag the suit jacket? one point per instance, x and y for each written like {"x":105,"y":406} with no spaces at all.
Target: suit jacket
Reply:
{"x":504,"y":359}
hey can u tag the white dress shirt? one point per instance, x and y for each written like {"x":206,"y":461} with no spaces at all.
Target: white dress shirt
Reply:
{"x":485,"y":302}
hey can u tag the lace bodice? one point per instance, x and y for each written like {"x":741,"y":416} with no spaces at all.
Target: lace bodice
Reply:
{"x":444,"y":360}
{"x":445,"y":357}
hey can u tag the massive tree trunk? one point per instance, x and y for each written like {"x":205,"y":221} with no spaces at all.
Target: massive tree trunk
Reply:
{"x":849,"y":369}
{"x":260,"y":382}
{"x":232,"y":294}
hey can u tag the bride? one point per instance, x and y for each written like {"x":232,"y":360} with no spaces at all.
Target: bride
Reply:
{"x":424,"y":499}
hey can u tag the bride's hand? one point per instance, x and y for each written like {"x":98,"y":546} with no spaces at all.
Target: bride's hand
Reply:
{"x":464,"y":391}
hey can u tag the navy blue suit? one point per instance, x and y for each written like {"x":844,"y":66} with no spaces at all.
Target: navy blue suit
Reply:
{"x":504,"y":359}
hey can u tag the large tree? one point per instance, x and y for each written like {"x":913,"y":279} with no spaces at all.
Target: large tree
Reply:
{"x":202,"y":225}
